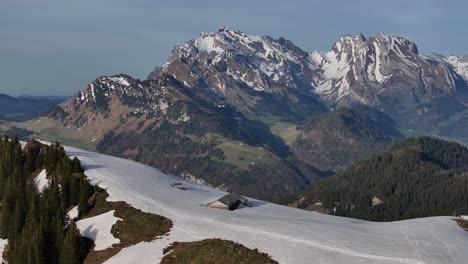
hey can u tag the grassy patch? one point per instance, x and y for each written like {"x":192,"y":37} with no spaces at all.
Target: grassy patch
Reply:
{"x":242,"y":155}
{"x":49,"y":130}
{"x":280,"y":128}
{"x":136,"y":227}
{"x":286,"y":131}
{"x":270,"y":119}
{"x":51,"y":134}
{"x":213,"y":251}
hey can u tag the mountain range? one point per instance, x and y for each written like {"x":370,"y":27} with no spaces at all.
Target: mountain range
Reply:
{"x":264,"y":75}
{"x":260,"y":116}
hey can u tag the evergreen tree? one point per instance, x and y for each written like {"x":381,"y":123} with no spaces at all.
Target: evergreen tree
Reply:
{"x":70,"y":252}
{"x":34,"y":223}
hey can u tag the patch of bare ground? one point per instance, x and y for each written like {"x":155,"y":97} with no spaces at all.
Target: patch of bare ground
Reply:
{"x":213,"y":251}
{"x":462,"y":223}
{"x":136,"y":226}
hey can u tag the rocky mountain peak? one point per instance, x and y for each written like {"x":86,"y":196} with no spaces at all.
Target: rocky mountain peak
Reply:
{"x":226,"y":43}
{"x":357,"y":69}
{"x":395,"y":44}
{"x":103,"y":86}
{"x":243,"y":69}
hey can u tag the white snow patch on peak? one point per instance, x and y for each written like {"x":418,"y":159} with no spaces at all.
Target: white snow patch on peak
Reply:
{"x":98,"y":229}
{"x":119,"y":80}
{"x":266,"y":48}
{"x":41,"y":182}
{"x":3,"y":243}
{"x":377,"y":74}
{"x":92,"y":91}
{"x":209,"y":43}
{"x":460,"y":65}
{"x":240,"y":36}
{"x":335,"y":67}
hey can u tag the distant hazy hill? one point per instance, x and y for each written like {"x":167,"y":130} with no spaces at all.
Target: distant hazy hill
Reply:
{"x":24,"y":108}
{"x":417,"y":177}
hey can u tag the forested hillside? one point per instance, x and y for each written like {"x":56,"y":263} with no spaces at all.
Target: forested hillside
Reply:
{"x":34,"y":223}
{"x":417,"y":177}
{"x":333,"y":141}
{"x":37,"y":222}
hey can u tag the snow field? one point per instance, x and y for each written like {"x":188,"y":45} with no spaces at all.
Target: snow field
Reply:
{"x":98,"y":229}
{"x":41,"y":181}
{"x":289,"y":235}
{"x":3,"y":244}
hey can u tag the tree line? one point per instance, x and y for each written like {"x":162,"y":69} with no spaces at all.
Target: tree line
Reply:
{"x":418,"y":177}
{"x":35,"y":224}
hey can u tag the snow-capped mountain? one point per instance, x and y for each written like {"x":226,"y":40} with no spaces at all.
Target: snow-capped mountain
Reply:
{"x":112,"y":99}
{"x":253,"y":73}
{"x":365,"y":70}
{"x":460,"y":65}
{"x":259,"y":63}
{"x":375,"y":71}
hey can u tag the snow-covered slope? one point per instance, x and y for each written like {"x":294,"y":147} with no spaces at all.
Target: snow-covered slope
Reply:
{"x":98,"y":229}
{"x":73,"y":213}
{"x":289,"y":235}
{"x":41,"y":181}
{"x":3,"y":244}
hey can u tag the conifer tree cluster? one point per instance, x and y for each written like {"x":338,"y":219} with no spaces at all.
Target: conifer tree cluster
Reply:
{"x":418,"y":177}
{"x":35,"y":224}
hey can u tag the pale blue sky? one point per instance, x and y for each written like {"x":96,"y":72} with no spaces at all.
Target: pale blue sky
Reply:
{"x":58,"y":46}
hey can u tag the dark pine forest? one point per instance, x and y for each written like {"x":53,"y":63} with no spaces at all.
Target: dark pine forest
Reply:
{"x":34,"y":223}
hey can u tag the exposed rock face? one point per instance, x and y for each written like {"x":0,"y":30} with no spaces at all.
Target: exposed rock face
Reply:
{"x":264,"y":76}
{"x":257,"y":75}
{"x":121,"y":102}
{"x":251,"y":72}
{"x":368,"y":71}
